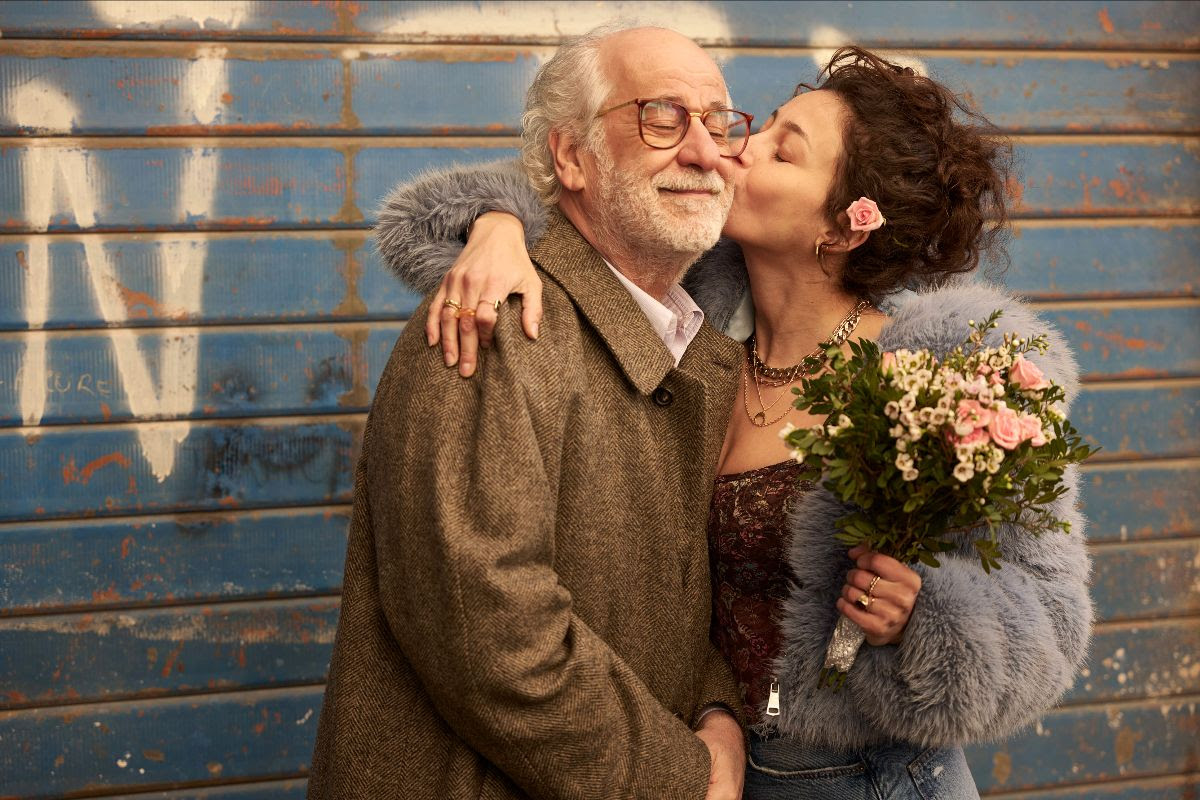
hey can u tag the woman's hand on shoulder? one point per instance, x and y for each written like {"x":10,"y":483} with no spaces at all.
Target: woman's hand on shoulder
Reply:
{"x":493,"y":265}
{"x":892,"y":588}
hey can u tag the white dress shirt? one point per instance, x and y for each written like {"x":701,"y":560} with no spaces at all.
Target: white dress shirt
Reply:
{"x":676,"y":318}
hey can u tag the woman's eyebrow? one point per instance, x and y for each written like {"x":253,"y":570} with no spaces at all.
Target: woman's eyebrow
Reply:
{"x":796,"y":129}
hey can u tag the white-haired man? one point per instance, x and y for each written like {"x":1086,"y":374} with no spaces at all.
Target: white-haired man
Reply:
{"x":526,"y":605}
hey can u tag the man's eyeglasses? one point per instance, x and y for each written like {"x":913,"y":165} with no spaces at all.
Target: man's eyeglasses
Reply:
{"x":662,"y":124}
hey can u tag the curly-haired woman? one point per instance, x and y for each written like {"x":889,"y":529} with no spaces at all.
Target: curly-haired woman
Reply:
{"x":876,"y":181}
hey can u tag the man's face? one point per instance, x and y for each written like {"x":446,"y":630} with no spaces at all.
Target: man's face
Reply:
{"x":667,"y":201}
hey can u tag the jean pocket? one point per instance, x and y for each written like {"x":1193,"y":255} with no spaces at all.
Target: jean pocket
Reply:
{"x":813,"y":773}
{"x":942,"y":773}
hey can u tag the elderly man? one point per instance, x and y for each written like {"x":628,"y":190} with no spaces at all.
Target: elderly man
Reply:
{"x":526,"y":603}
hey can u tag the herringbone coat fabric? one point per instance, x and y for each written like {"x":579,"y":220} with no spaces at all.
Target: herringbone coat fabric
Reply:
{"x":526,"y":604}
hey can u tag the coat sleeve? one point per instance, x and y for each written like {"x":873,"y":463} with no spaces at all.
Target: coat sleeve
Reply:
{"x":423,"y":223}
{"x":462,"y":484}
{"x":985,"y":654}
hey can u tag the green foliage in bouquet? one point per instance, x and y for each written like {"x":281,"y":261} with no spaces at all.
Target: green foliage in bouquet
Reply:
{"x":930,"y":450}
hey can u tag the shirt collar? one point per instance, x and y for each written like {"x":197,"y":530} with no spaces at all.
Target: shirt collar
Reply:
{"x":676,"y":318}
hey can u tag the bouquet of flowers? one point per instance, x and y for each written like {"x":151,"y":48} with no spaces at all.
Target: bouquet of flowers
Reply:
{"x":930,"y":451}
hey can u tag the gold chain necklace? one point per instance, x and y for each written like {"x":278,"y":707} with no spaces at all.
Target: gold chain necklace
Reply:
{"x":775,"y":377}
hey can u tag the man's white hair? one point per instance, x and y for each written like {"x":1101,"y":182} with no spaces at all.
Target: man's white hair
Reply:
{"x":567,"y":93}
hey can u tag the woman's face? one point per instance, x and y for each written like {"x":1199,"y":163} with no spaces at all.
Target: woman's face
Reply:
{"x":785,"y":175}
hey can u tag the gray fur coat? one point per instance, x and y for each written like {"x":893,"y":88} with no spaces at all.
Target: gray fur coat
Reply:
{"x":983,"y":655}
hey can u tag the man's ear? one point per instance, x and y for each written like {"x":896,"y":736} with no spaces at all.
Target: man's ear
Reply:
{"x":566,"y":160}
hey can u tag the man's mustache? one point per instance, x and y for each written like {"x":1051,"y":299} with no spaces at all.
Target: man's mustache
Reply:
{"x":700,"y":182}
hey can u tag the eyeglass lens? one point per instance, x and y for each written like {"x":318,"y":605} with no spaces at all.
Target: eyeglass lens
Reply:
{"x":664,"y":124}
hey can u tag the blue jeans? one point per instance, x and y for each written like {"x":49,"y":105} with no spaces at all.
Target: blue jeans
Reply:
{"x":780,"y":768}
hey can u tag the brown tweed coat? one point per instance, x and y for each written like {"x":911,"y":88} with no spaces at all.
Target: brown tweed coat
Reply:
{"x":526,"y":602}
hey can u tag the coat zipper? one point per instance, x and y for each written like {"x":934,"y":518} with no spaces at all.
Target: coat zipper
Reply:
{"x":773,"y":699}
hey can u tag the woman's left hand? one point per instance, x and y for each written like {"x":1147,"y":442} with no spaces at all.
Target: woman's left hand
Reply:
{"x":891,"y":599}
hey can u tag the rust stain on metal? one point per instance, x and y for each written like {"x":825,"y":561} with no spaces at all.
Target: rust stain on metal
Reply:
{"x":350,"y":120}
{"x":73,"y":475}
{"x":215,"y":768}
{"x":1127,"y":343}
{"x":172,"y":662}
{"x":1123,"y":748}
{"x":126,"y":546}
{"x":345,"y":14}
{"x":21,"y":261}
{"x":349,"y":211}
{"x":109,"y":595}
{"x":358,"y":396}
{"x":139,"y":305}
{"x":1105,"y":20}
{"x":1014,"y":189}
{"x":1001,"y":767}
{"x":232,"y":129}
{"x":352,"y":304}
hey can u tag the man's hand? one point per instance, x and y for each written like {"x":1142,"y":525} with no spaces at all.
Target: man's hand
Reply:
{"x":726,"y":744}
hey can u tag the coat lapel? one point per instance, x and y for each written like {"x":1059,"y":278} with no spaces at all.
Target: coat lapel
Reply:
{"x":575,"y":265}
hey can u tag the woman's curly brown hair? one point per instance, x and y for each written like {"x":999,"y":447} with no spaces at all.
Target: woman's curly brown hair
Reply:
{"x":939,"y":182}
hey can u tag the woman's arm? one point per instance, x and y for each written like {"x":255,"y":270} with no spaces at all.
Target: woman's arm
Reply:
{"x":421,"y":234}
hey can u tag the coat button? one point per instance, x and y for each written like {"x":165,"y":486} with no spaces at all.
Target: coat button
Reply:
{"x":662,"y":396}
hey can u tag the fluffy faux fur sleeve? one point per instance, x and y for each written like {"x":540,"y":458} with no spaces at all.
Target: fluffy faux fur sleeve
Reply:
{"x":983,"y":654}
{"x":423,"y":224}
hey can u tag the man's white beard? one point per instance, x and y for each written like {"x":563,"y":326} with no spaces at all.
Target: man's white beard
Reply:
{"x":655,"y":224}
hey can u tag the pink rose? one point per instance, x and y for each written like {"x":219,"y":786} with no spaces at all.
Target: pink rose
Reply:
{"x":974,"y":437}
{"x":1026,"y":375}
{"x":864,"y":215}
{"x":889,"y":362}
{"x":1005,"y":428}
{"x":973,"y":413}
{"x":1031,"y":430}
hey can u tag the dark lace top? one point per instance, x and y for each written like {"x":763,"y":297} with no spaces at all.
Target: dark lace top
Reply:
{"x":748,"y":540}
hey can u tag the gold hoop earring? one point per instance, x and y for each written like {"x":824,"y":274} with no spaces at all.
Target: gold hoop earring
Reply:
{"x":820,"y":258}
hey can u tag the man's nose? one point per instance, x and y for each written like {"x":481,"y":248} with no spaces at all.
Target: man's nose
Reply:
{"x":698,"y":148}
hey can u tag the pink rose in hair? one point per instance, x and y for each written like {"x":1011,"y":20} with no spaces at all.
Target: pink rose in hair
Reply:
{"x":864,"y":215}
{"x":1031,"y":429}
{"x":1026,"y":375}
{"x":1005,"y":428}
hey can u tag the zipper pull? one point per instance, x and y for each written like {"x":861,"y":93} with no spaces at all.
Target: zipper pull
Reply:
{"x":773,"y":700}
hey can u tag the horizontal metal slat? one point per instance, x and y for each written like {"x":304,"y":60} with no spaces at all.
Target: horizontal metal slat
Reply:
{"x":1148,"y":500}
{"x":1140,"y":659}
{"x":113,"y":185}
{"x":177,"y":466}
{"x":49,"y":660}
{"x":177,"y":559}
{"x":1113,"y":25}
{"x":190,"y":89}
{"x":213,"y":278}
{"x":121,"y":374}
{"x":1091,"y":743}
{"x":155,"y":467}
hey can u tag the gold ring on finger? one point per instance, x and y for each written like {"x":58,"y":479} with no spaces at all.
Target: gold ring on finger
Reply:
{"x":871,"y":588}
{"x":865,"y":601}
{"x":495,"y":304}
{"x":452,"y":304}
{"x":465,"y":312}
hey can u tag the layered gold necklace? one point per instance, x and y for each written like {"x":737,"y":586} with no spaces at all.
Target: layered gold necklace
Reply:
{"x":777,"y":377}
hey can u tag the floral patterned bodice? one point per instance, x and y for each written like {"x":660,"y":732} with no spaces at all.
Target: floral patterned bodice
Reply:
{"x":748,"y":541}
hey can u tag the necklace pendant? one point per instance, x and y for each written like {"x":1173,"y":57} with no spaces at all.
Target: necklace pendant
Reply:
{"x":759,"y":420}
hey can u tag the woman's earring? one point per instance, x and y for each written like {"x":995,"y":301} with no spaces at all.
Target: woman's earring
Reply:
{"x":820,"y":260}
